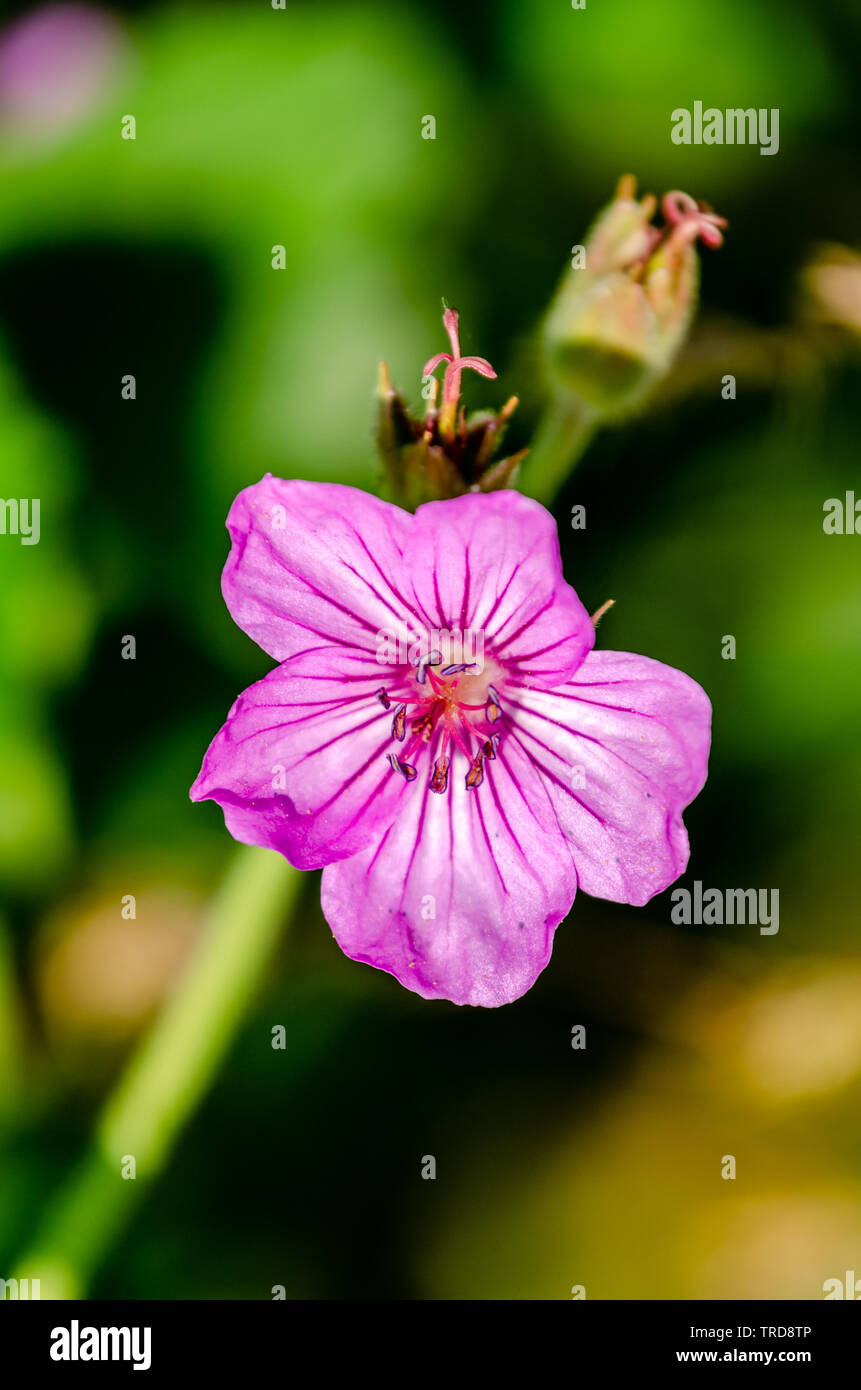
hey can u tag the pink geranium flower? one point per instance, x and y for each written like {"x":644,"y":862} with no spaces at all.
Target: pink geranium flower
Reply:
{"x":439,"y":735}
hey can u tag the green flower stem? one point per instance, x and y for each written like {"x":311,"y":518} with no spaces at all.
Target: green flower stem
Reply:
{"x":564,"y":433}
{"x":167,"y":1076}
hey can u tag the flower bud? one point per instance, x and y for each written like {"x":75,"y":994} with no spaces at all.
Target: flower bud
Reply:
{"x":617,"y":323}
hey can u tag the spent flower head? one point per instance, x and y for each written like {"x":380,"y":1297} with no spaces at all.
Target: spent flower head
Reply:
{"x":447,"y":453}
{"x":618,"y":321}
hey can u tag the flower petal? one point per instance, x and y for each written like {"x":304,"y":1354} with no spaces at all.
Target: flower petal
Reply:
{"x":491,"y":866}
{"x":316,"y":563}
{"x":490,"y":563}
{"x":301,"y":764}
{"x":623,"y":749}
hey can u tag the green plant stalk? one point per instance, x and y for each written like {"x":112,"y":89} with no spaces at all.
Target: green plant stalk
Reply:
{"x":564,"y":433}
{"x":167,"y":1076}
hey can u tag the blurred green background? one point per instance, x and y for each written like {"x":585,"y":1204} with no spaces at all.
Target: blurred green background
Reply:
{"x":302,"y":127}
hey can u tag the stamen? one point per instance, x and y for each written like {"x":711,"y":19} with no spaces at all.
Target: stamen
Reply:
{"x":399,"y":723}
{"x":436,"y":716}
{"x":439,"y":779}
{"x":423,"y":726}
{"x":407,"y":771}
{"x":432,"y":659}
{"x":475,"y":776}
{"x":452,"y":733}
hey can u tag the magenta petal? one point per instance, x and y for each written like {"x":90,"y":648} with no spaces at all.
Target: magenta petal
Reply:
{"x":622,"y":748}
{"x":460,"y":898}
{"x":300,"y":766}
{"x":491,"y":564}
{"x":315,"y":563}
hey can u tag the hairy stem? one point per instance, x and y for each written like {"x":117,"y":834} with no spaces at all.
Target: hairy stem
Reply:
{"x":167,"y":1076}
{"x":564,"y":433}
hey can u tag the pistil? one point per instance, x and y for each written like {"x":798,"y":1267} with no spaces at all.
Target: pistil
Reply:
{"x":437,"y":708}
{"x":451,"y":378}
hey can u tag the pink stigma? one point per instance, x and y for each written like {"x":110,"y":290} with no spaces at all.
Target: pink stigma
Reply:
{"x":456,"y":364}
{"x":691,"y":220}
